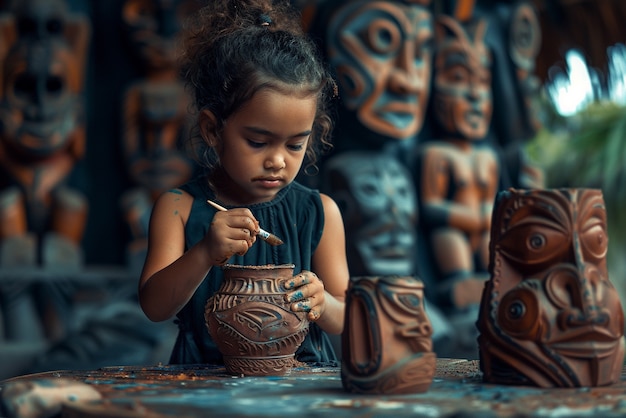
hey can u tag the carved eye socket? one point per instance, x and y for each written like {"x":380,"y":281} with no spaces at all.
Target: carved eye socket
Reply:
{"x":595,"y":242}
{"x":518,"y":314}
{"x":516,"y":310}
{"x":536,"y":241}
{"x":532,"y":243}
{"x":383,"y":37}
{"x":351,"y":83}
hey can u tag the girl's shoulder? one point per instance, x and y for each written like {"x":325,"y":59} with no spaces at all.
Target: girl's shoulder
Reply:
{"x":198,"y":188}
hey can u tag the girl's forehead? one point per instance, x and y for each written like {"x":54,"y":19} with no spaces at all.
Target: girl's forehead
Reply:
{"x":268,"y":100}
{"x":279,"y":112}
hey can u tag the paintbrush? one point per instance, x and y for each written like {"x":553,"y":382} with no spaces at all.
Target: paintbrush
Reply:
{"x":263,"y":234}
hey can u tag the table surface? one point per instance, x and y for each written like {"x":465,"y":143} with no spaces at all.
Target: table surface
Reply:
{"x":207,"y":391}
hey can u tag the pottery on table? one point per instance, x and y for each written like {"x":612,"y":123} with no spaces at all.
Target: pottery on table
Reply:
{"x":550,"y":316}
{"x":387,"y":337}
{"x":252,"y":324}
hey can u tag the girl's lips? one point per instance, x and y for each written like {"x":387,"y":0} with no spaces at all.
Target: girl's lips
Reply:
{"x":269,"y":182}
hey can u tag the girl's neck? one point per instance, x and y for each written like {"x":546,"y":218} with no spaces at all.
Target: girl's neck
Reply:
{"x":226,"y":191}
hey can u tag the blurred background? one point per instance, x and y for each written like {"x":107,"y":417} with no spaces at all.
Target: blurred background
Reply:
{"x":74,"y":207}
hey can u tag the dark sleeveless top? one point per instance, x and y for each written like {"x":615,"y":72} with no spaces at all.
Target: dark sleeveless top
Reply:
{"x":296,"y":216}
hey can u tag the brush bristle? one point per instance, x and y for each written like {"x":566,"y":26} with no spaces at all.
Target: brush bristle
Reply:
{"x":274,"y":240}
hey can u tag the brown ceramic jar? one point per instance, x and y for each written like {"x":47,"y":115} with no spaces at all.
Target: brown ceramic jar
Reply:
{"x":252,"y":325}
{"x":386,"y":341}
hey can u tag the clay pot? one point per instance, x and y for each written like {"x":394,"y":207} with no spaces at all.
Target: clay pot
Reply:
{"x":252,"y":325}
{"x":387,"y":337}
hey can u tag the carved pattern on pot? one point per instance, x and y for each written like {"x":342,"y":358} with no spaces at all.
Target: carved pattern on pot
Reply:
{"x":252,"y":325}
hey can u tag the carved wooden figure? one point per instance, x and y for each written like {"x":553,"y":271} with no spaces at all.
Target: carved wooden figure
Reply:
{"x":386,"y":343}
{"x":43,"y":133}
{"x":156,"y":116}
{"x":549,"y":314}
{"x":42,"y":138}
{"x":515,"y":43}
{"x":377,"y":199}
{"x":381,"y":54}
{"x":457,"y":171}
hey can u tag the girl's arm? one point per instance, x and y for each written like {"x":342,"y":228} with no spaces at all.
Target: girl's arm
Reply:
{"x":170,"y":276}
{"x":322,"y":293}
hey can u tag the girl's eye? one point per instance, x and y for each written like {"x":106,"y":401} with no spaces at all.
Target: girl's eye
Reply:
{"x":295,"y":147}
{"x":255,"y":144}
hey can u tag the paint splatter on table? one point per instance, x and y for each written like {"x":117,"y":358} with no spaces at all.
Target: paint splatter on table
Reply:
{"x":201,"y":391}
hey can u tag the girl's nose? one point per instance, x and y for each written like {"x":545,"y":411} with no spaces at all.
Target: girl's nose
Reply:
{"x":275,"y":162}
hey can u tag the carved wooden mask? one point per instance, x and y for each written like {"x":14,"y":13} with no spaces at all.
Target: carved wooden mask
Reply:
{"x":381,"y":52}
{"x":39,"y":111}
{"x":153,"y":26}
{"x":462,"y":79}
{"x":386,"y":342}
{"x":549,"y":314}
{"x":377,"y":198}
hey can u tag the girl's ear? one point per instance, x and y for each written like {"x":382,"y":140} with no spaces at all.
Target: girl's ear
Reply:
{"x":208,"y":125}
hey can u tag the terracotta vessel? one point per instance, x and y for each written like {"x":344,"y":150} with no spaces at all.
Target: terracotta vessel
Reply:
{"x":549,"y":315}
{"x":251,"y":323}
{"x":386,"y":342}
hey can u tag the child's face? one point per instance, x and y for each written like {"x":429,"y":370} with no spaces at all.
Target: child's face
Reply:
{"x":264,"y":144}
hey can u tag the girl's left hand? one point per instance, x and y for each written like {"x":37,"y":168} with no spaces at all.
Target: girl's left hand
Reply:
{"x":308,"y":294}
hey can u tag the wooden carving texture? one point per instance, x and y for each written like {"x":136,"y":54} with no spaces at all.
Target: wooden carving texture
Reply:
{"x":156,"y":117}
{"x":43,"y":134}
{"x":458,"y":171}
{"x":378,"y":202}
{"x":252,"y":324}
{"x":386,"y":342}
{"x":549,"y":314}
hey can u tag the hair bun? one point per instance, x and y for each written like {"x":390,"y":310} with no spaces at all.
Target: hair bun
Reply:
{"x":264,"y":20}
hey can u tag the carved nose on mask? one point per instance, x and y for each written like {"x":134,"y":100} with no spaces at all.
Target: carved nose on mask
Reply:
{"x":575,"y":292}
{"x":404,"y":82}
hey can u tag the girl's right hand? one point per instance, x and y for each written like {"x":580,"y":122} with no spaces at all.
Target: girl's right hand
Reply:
{"x":231,"y":232}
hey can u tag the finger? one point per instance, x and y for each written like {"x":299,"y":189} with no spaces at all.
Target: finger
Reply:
{"x":295,"y":296}
{"x":313,"y":315}
{"x":302,"y":306}
{"x":245,"y":222}
{"x":301,"y":279}
{"x":241,"y":246}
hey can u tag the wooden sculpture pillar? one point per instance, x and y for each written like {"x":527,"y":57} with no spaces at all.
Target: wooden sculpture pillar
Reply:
{"x":457,"y":171}
{"x":42,"y":216}
{"x":156,"y":115}
{"x":43,"y":213}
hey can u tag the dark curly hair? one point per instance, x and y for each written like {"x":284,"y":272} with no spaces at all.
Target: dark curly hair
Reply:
{"x":234,"y":48}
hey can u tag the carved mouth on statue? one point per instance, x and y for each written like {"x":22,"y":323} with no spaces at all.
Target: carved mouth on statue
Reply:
{"x":397,"y":114}
{"x":587,"y":344}
{"x":388,"y":253}
{"x":47,"y":128}
{"x":475,"y":118}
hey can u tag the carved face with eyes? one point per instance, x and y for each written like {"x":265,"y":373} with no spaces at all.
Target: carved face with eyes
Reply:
{"x":381,"y":52}
{"x":39,"y":112}
{"x":377,"y":199}
{"x":462,"y":99}
{"x":152,"y":27}
{"x":549,"y":314}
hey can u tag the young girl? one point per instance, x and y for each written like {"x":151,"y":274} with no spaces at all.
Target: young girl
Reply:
{"x":260,"y":90}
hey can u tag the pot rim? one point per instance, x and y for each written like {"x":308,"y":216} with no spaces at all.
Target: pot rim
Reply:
{"x":259,"y":267}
